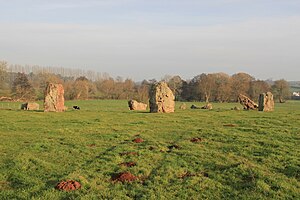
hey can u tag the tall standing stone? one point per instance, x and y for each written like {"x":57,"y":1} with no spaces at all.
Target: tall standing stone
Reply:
{"x":161,"y":98}
{"x":54,"y":98}
{"x":266,"y":102}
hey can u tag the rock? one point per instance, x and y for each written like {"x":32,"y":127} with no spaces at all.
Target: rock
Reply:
{"x":30,"y":106}
{"x":208,"y":106}
{"x":68,"y":185}
{"x":235,"y":108}
{"x":54,"y":98}
{"x":134,"y":105}
{"x":194,"y":107}
{"x":161,"y":98}
{"x":247,"y":103}
{"x":182,"y":106}
{"x":266,"y":102}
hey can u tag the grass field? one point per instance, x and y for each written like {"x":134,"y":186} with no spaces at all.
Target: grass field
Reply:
{"x":241,"y":155}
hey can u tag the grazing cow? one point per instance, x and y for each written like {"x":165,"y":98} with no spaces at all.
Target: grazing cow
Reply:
{"x":76,"y":107}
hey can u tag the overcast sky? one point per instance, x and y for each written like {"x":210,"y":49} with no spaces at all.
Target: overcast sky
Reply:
{"x":144,"y":39}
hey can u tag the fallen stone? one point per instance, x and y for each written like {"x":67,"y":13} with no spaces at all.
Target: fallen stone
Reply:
{"x":30,"y":106}
{"x":134,"y":105}
{"x":247,"y":103}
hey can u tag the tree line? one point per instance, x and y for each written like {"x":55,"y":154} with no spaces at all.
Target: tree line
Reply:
{"x":22,"y":83}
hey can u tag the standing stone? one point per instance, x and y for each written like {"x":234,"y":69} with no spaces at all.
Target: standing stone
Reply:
{"x":54,"y":98}
{"x":30,"y":106}
{"x":266,"y":102}
{"x":134,"y":105}
{"x":161,"y":98}
{"x":247,"y":102}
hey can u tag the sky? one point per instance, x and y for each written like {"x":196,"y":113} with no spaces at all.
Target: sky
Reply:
{"x":145,"y":39}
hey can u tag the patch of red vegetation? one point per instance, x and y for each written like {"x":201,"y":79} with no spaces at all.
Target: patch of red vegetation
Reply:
{"x":92,"y":145}
{"x":138,"y":140}
{"x":129,"y":153}
{"x":229,"y":125}
{"x":196,"y":140}
{"x":128,"y":164}
{"x":124,"y":177}
{"x":68,"y":185}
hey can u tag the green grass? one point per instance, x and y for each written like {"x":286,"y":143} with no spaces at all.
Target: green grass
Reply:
{"x":256,"y":158}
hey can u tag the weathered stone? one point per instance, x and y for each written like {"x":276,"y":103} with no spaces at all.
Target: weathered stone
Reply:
{"x":54,"y":98}
{"x":266,"y":102}
{"x":247,"y":103}
{"x":30,"y":106}
{"x":208,"y":106}
{"x":182,"y":106}
{"x":134,"y":105}
{"x":235,"y":108}
{"x":161,"y":98}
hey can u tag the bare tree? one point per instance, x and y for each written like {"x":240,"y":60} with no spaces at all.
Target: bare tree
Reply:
{"x":240,"y":84}
{"x":258,"y":87}
{"x":22,"y":89}
{"x":281,"y":90}
{"x":222,"y":88}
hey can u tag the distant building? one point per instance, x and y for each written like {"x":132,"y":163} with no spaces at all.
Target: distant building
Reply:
{"x":296,"y":96}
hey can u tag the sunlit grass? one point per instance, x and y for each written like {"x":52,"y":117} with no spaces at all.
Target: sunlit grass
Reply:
{"x":242,"y":154}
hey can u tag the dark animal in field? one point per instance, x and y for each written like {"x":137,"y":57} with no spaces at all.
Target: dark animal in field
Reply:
{"x":76,"y":107}
{"x":194,"y":107}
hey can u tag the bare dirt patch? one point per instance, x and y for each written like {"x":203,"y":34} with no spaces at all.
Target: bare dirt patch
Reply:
{"x":124,"y":177}
{"x":68,"y":185}
{"x":138,"y":140}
